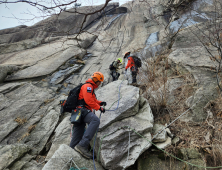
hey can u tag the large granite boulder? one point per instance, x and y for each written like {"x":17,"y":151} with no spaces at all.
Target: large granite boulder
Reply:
{"x":66,"y":157}
{"x":118,"y":94}
{"x":132,"y":116}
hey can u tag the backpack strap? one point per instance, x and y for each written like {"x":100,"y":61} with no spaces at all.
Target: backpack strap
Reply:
{"x":82,"y":102}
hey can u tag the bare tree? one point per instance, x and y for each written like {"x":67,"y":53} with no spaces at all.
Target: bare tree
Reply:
{"x":55,"y":8}
{"x":210,"y":36}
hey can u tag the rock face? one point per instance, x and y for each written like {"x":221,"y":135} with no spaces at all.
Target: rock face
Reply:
{"x":18,"y":107}
{"x":65,"y":157}
{"x":63,"y":23}
{"x":10,"y":153}
{"x":5,"y":70}
{"x":139,"y":119}
{"x":62,"y":136}
{"x":162,"y":137}
{"x":128,"y":105}
{"x":38,"y":69}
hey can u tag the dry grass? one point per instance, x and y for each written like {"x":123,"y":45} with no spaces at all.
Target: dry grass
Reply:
{"x":205,"y":136}
{"x":23,"y":136}
{"x":31,"y":128}
{"x":214,"y":157}
{"x":21,"y":121}
{"x":156,"y":77}
{"x":49,"y":100}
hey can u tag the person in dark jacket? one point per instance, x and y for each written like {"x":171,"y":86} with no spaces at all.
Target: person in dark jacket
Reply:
{"x":80,"y":140}
{"x":114,"y":69}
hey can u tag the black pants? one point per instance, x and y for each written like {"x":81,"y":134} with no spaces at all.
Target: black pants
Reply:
{"x":115,"y":75}
{"x":134,"y":71}
{"x":78,"y":135}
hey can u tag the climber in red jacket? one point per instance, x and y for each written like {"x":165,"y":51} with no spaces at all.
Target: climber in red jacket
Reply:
{"x":86,"y":102}
{"x":132,"y":66}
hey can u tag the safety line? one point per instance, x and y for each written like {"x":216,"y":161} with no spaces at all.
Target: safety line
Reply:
{"x":118,"y":99}
{"x":160,"y":131}
{"x":124,"y":127}
{"x":70,"y":161}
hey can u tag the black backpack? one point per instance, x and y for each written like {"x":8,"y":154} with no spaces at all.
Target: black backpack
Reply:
{"x":111,"y":67}
{"x":72,"y":100}
{"x":137,"y":61}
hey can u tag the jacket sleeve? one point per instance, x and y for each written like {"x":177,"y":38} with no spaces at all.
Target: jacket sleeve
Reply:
{"x":98,"y":102}
{"x":115,"y":64}
{"x":89,"y":97}
{"x":128,"y":63}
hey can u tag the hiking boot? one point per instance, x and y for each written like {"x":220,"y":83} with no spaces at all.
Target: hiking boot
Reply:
{"x":83,"y":151}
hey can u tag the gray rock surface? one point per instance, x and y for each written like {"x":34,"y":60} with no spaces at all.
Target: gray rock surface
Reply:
{"x":9,"y":87}
{"x":62,"y":136}
{"x":162,"y":137}
{"x":26,"y":163}
{"x":59,"y":76}
{"x":117,"y":134}
{"x":42,"y":132}
{"x":29,"y":112}
{"x":5,"y":70}
{"x":10,"y":153}
{"x":164,"y":144}
{"x":47,"y":66}
{"x":66,"y":156}
{"x":188,"y":52}
{"x":158,"y":161}
{"x":87,"y":42}
{"x":20,"y":110}
{"x":128,"y":103}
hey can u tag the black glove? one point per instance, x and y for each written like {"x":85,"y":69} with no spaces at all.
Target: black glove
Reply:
{"x":103,"y":104}
{"x":102,"y":109}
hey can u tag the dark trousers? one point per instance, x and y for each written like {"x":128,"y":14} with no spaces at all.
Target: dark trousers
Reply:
{"x":134,"y":71}
{"x":78,"y":135}
{"x":115,"y":75}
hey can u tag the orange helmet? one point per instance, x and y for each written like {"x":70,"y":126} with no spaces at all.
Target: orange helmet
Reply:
{"x":98,"y":76}
{"x":126,"y":54}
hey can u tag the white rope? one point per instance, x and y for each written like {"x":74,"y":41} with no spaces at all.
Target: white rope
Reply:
{"x":128,"y":152}
{"x":66,"y":164}
{"x":69,"y":161}
{"x":75,"y":164}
